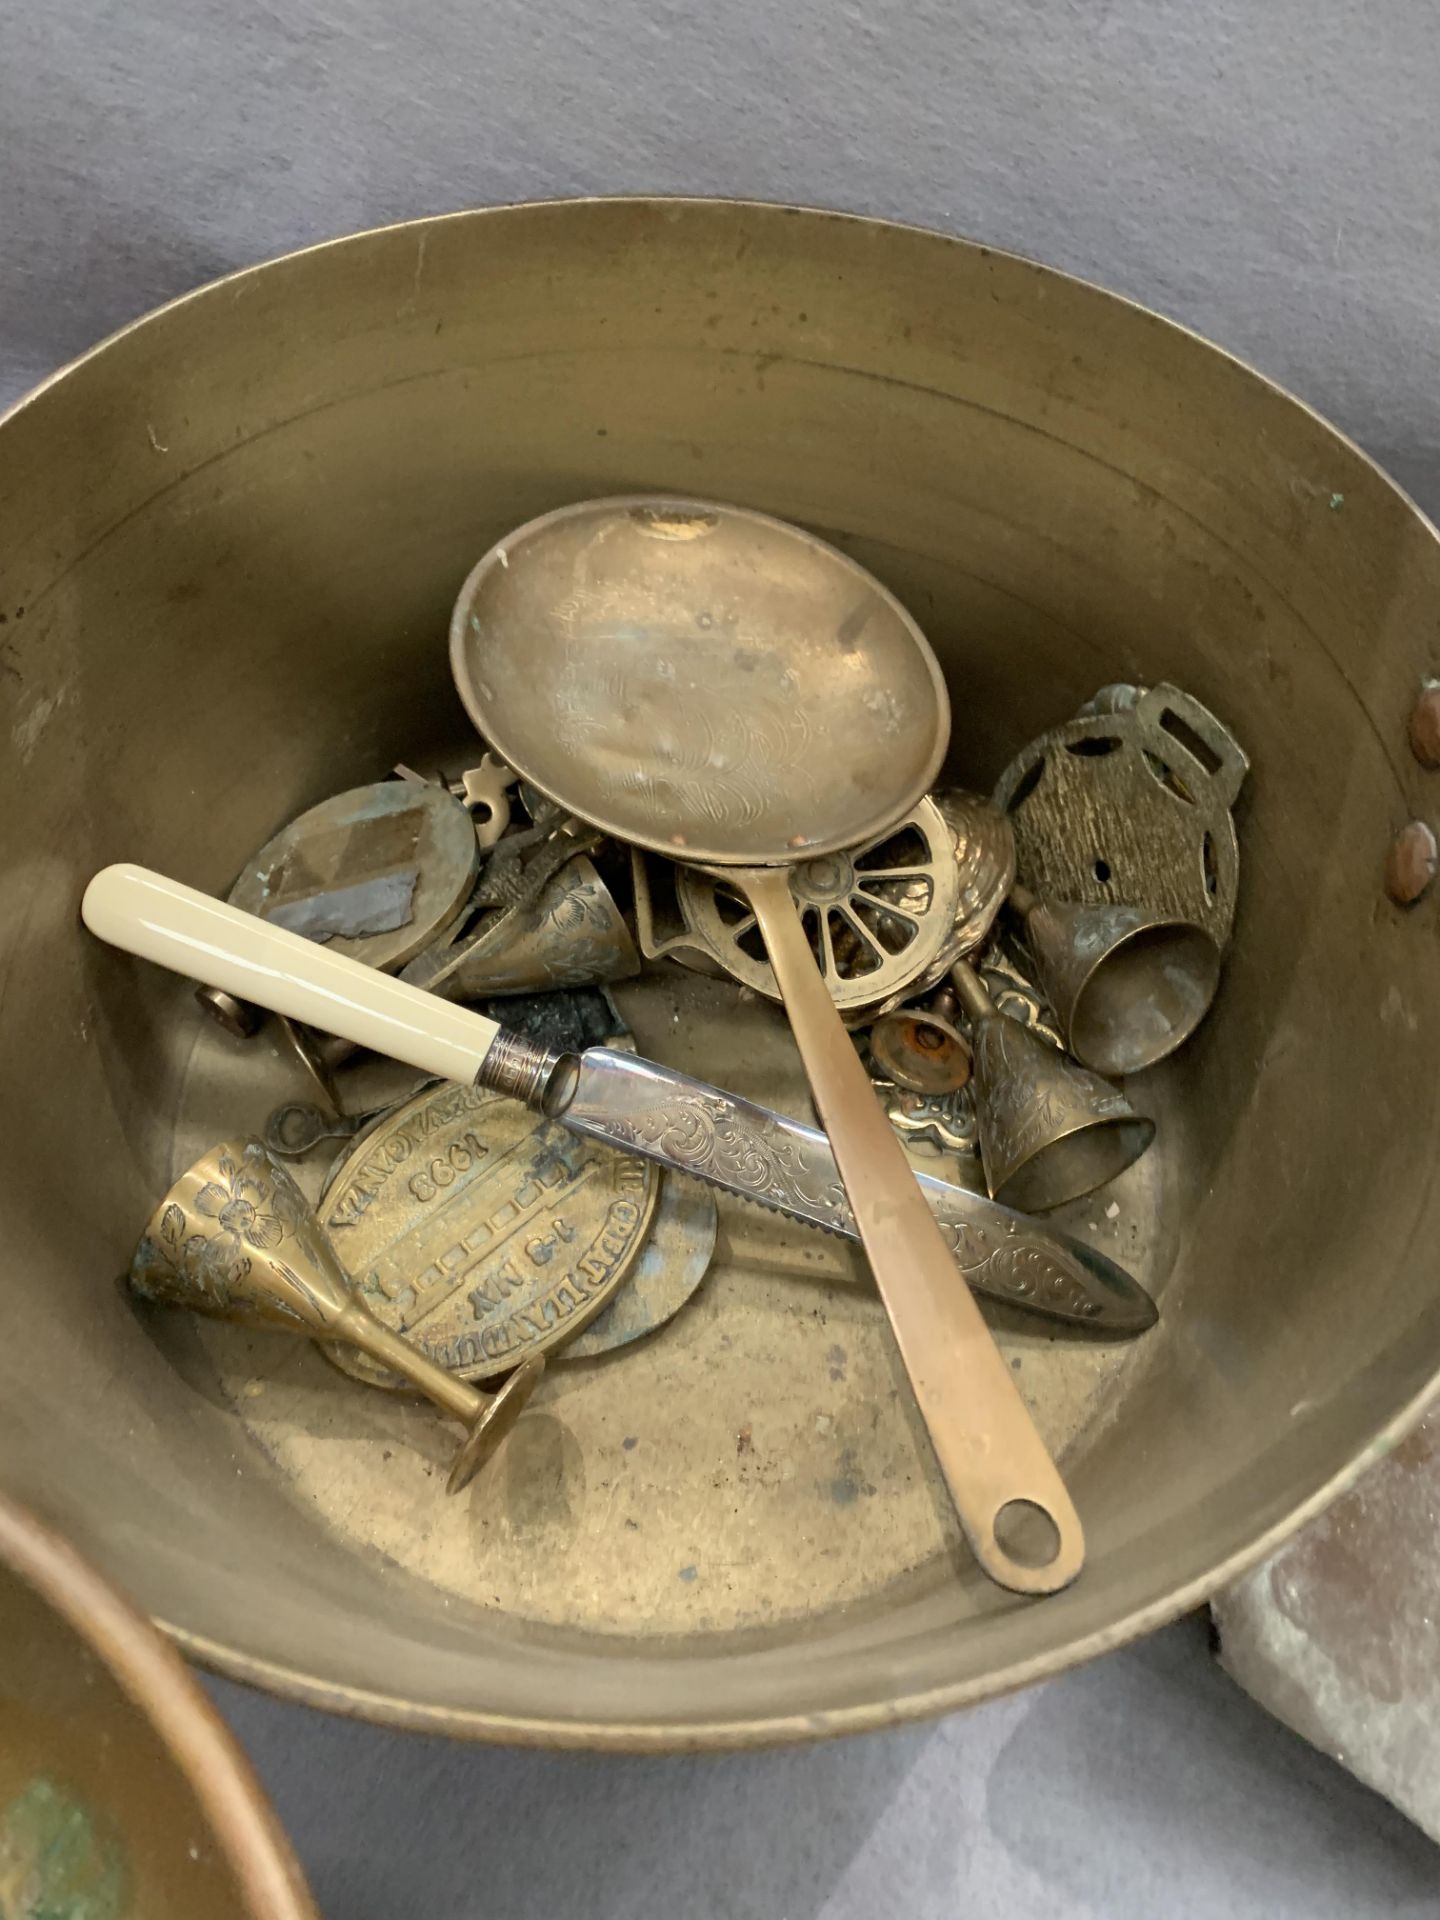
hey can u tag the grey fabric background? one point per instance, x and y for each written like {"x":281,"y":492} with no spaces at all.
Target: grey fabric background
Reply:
{"x":1266,"y":173}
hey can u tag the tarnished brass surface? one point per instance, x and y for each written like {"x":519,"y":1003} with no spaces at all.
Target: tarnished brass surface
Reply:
{"x":898,"y":913}
{"x":700,"y":679}
{"x":674,"y":1260}
{"x":985,"y":865}
{"x":1129,"y":984}
{"x":606,"y":1094}
{"x":485,"y":789}
{"x":985,"y":857}
{"x":297,"y":1128}
{"x":660,"y":928}
{"x":1015,"y":992}
{"x":1049,"y":1130}
{"x":236,"y":1016}
{"x":482,"y":1232}
{"x":571,"y":934}
{"x":1064,"y":490}
{"x":311,"y":1058}
{"x":420,"y":837}
{"x":945,"y":1122}
{"x":881,"y":914}
{"x":936,"y":1122}
{"x":1130,"y":803}
{"x":921,"y":1049}
{"x":236,"y":1238}
{"x":122,"y":1793}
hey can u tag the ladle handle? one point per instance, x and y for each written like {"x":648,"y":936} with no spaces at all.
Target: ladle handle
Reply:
{"x":219,"y":945}
{"x":987,"y":1445}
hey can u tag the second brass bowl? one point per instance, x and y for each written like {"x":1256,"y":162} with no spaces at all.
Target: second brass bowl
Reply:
{"x":121,"y":1791}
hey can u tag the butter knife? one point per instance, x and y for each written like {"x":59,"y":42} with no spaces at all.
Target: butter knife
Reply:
{"x":630,"y":1103}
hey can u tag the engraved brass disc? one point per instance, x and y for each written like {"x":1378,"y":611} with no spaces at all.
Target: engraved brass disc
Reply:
{"x":481,"y":1231}
{"x":676,"y":1258}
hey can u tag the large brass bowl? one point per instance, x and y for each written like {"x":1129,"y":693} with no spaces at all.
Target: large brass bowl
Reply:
{"x":231,"y":540}
{"x":121,"y":1793}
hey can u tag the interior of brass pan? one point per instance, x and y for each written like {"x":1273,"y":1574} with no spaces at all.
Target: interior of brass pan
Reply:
{"x":1011,"y":470}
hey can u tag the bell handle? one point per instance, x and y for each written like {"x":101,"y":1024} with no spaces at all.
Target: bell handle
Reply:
{"x":178,"y":927}
{"x":358,"y":1327}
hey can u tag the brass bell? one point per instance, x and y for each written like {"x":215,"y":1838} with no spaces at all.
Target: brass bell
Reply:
{"x":571,"y":935}
{"x":235,"y":1238}
{"x":1049,"y":1131}
{"x":921,"y":1049}
{"x":1128,"y":984}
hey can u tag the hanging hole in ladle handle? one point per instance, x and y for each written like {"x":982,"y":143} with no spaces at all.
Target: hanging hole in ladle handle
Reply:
{"x":1026,"y":1534}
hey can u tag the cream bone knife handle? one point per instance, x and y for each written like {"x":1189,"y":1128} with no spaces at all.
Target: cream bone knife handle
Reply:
{"x":178,"y":927}
{"x":985,"y":1442}
{"x":984,"y":1438}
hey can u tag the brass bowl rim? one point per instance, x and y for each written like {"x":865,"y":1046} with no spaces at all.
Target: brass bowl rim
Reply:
{"x":792,"y":1729}
{"x":161,"y":1688}
{"x":712,"y":1734}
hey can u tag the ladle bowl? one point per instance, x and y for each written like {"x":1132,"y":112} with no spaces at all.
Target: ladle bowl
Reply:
{"x":700,"y":680}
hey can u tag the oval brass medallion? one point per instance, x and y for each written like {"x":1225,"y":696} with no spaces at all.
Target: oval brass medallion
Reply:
{"x":378,"y":872}
{"x":482,"y":1231}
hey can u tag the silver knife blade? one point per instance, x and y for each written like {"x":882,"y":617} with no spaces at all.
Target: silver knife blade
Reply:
{"x":732,"y":1143}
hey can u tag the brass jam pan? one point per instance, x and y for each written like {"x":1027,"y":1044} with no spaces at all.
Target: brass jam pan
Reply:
{"x":1015,"y":470}
{"x":122,"y":1792}
{"x":481,"y":1231}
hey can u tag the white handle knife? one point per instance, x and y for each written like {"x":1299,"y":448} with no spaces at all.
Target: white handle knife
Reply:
{"x":634,"y":1104}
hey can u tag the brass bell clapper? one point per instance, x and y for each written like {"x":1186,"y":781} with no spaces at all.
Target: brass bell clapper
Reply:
{"x":236,"y":1239}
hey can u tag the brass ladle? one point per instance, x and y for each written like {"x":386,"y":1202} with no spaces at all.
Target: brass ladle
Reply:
{"x":235,"y":1238}
{"x":719,"y":687}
